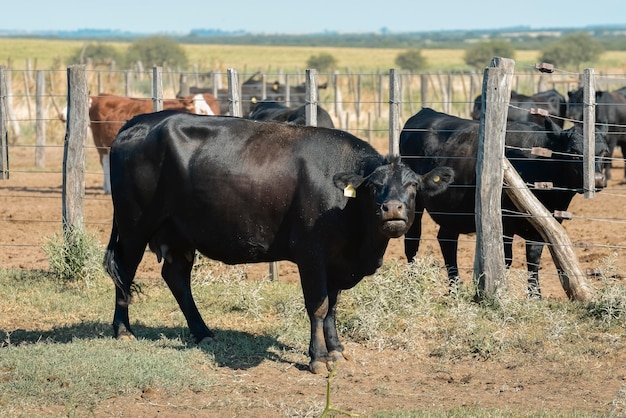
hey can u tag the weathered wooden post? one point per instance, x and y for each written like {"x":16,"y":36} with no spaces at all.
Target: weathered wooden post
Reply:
{"x":394,"y":112}
{"x":73,"y":191}
{"x":424,"y":89}
{"x":9,"y":109}
{"x":183,"y":88}
{"x":157,"y":88}
{"x":589,"y":126}
{"x":570,"y":274}
{"x":127,"y":82}
{"x":489,"y":266}
{"x":234,"y":95}
{"x":40,"y":123}
{"x":4,"y":132}
{"x":311,"y":97}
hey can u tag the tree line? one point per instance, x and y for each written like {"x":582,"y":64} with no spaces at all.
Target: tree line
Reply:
{"x":571,"y":51}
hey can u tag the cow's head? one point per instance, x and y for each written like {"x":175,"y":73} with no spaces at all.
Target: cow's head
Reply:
{"x":575,"y":145}
{"x":571,"y":144}
{"x":574,"y":107}
{"x":390,"y":190}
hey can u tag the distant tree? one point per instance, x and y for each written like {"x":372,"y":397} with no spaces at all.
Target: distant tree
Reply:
{"x":156,"y":50}
{"x":99,"y":54}
{"x":480,"y":55}
{"x":572,"y":50}
{"x":322,"y":62}
{"x":411,"y":59}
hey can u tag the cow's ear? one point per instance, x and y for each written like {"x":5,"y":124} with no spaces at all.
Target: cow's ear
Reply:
{"x":551,"y":125}
{"x":437,"y":180}
{"x":346,"y":180}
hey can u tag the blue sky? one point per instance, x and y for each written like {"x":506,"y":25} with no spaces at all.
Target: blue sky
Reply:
{"x":296,"y":16}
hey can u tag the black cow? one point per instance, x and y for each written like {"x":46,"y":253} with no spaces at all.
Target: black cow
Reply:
{"x":519,"y":108}
{"x":252,"y":92}
{"x":554,"y":102}
{"x":521,"y":105}
{"x":611,"y":110}
{"x":240,"y":191}
{"x":269,"y":110}
{"x":430,"y":139}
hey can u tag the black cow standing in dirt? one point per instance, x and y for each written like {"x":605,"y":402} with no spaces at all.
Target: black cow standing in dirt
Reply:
{"x":610,"y":110}
{"x":431,"y":139}
{"x":240,"y":191}
{"x":270,"y":110}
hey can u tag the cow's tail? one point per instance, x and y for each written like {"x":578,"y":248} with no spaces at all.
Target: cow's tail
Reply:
{"x":112,"y":265}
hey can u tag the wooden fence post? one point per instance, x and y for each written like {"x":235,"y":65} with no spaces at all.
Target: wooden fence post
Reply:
{"x":287,"y":91}
{"x":357,"y":100}
{"x":489,"y":266}
{"x":570,"y":274}
{"x":424,"y":89}
{"x":73,"y":192}
{"x":40,"y":123}
{"x":234,"y":95}
{"x":127,"y":83}
{"x":183,"y":88}
{"x":4,"y":132}
{"x":311,"y":97}
{"x":394,"y":113}
{"x":14,"y":123}
{"x":157,"y":88}
{"x":589,"y":126}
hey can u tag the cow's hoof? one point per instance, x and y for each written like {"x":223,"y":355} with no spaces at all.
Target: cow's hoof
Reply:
{"x":122,"y":333}
{"x":206,"y":341}
{"x":125,"y":336}
{"x":320,"y":367}
{"x":337,"y":356}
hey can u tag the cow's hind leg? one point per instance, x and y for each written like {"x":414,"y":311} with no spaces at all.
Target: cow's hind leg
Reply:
{"x":449,"y":244}
{"x":121,"y":263}
{"x":412,"y":236}
{"x":533,"y":259}
{"x":176,"y":271}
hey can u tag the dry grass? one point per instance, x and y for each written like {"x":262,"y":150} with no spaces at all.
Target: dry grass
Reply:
{"x":53,"y":331}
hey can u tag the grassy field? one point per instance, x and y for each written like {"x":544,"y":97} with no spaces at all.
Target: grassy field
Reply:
{"x":52,"y":54}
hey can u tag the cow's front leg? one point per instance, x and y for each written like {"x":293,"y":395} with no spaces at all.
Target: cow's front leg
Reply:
{"x":317,"y":309}
{"x":317,"y":303}
{"x":333,"y":345}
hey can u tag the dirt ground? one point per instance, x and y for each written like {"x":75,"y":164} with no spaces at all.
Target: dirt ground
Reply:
{"x":30,"y":210}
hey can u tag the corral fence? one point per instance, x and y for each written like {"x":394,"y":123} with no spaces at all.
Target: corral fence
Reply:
{"x":356,"y":101}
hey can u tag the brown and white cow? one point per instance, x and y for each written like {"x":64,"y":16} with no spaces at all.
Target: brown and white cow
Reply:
{"x":108,"y":112}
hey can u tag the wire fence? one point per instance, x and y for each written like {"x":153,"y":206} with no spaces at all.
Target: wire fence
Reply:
{"x":30,"y":209}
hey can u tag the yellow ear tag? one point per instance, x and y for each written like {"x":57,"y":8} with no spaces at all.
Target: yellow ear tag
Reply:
{"x":436,"y":179}
{"x":349,"y":191}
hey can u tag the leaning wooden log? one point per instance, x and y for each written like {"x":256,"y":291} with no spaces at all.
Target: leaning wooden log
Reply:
{"x":570,"y":274}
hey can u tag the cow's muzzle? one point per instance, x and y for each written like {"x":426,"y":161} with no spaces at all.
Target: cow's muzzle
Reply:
{"x":600,"y":180}
{"x":394,"y":218}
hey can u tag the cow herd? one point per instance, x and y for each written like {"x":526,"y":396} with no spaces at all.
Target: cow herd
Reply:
{"x":264,"y":188}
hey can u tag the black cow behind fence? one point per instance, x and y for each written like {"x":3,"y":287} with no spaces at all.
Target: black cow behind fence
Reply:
{"x":252,"y":93}
{"x":611,"y":110}
{"x":431,"y":139}
{"x":268,"y":110}
{"x":240,"y":191}
{"x":521,"y":107}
